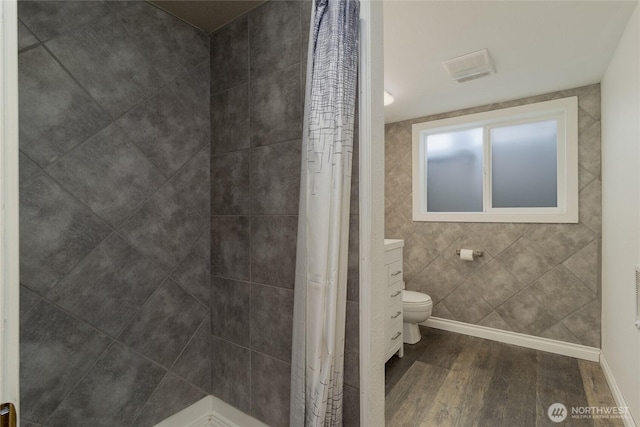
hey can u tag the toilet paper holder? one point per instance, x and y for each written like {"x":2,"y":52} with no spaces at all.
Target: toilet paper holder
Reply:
{"x":475,"y":253}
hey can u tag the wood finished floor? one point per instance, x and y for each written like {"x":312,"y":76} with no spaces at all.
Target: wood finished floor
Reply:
{"x":448,"y":379}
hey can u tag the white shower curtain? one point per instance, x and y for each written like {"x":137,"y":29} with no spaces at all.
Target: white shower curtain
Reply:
{"x":323,"y":224}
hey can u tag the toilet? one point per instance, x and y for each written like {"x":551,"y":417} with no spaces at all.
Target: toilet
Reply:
{"x":416,"y":309}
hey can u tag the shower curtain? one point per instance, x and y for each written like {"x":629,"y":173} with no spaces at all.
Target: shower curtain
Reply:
{"x":323,"y":224}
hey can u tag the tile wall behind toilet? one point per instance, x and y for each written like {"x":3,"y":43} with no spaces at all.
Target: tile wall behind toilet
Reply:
{"x":536,"y":279}
{"x":114,"y":208}
{"x":258,"y":69}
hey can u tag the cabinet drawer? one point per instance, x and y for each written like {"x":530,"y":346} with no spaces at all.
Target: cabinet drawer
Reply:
{"x":393,"y":315}
{"x":395,"y":272}
{"x":393,"y":332}
{"x":395,"y":294}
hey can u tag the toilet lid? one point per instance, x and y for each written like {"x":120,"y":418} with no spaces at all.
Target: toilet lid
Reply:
{"x":412,"y":297}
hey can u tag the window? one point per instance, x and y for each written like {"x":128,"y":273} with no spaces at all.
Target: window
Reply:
{"x":512,"y":165}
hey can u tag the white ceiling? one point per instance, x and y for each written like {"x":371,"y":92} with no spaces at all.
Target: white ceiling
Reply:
{"x":536,"y":47}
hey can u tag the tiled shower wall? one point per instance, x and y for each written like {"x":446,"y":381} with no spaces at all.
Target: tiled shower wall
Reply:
{"x":537,"y":279}
{"x":114,"y":208}
{"x":258,"y":68}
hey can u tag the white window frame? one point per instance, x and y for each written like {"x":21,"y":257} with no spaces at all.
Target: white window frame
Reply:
{"x":565,"y":110}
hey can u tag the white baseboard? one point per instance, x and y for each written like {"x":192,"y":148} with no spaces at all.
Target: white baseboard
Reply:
{"x":615,"y":390}
{"x":544,"y":344}
{"x":208,"y":412}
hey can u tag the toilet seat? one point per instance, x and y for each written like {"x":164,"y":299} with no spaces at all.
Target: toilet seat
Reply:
{"x":415,"y":301}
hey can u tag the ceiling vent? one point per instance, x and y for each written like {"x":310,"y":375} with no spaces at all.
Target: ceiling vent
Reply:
{"x":470,"y":66}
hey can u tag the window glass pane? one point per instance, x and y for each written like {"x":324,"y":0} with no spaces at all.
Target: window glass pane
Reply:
{"x":454,"y":171}
{"x":524,"y":165}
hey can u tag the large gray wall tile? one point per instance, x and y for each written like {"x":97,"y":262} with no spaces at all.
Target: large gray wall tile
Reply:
{"x":194,"y":272}
{"x":56,"y":232}
{"x":55,"y":350}
{"x":561,"y":333}
{"x":164,"y":228}
{"x":230,"y":55}
{"x":466,"y":304}
{"x":230,"y":246}
{"x":493,"y":320}
{"x":584,"y":264}
{"x":398,"y":184}
{"x":496,"y":237}
{"x":524,"y":261}
{"x":274,"y":37}
{"x":560,"y":241}
{"x":273,"y":250}
{"x":171,"y":396}
{"x":276,"y":109}
{"x":47,"y":19}
{"x":165,"y":130}
{"x":585,"y":324}
{"x":589,"y":148}
{"x":231,"y":373}
{"x":109,"y":63}
{"x":525,"y":314}
{"x":172,"y":46}
{"x":194,"y":363}
{"x":230,"y":129}
{"x":590,"y":209}
{"x":275,"y":179}
{"x":109,"y":286}
{"x":165,"y":324}
{"x":121,"y":379}
{"x":561,"y":292}
{"x":495,"y":283}
{"x":55,"y":113}
{"x":231,"y":310}
{"x":397,"y":144}
{"x":438,"y":280}
{"x":108,"y":174}
{"x":193,"y":179}
{"x":193,"y":91}
{"x":230,"y":189}
{"x":439,"y":234}
{"x":418,"y":252}
{"x":271,"y":321}
{"x":270,"y":389}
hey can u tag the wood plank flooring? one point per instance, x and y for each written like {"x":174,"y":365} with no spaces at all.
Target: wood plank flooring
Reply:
{"x":448,"y":379}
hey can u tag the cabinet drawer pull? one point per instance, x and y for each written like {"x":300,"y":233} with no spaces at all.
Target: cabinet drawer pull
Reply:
{"x":396,"y":294}
{"x":395,"y":337}
{"x":396,"y":315}
{"x":396,"y":273}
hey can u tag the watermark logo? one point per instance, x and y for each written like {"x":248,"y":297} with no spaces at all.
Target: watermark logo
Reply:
{"x":557,"y":412}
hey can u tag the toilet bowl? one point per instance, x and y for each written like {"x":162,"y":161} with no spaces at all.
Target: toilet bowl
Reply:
{"x":416,"y":308}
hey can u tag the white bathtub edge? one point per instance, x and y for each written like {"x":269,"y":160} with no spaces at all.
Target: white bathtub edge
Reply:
{"x":210,"y":411}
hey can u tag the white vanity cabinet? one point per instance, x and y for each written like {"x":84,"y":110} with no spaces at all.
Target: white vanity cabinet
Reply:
{"x":393,"y":323}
